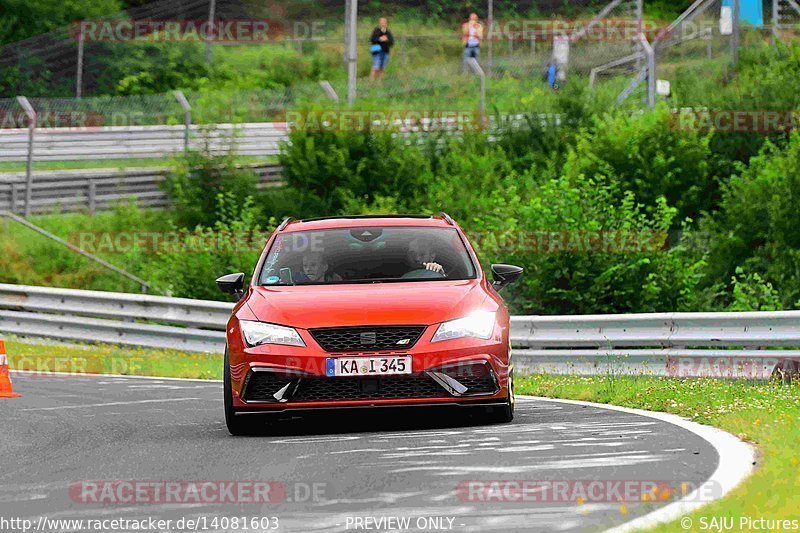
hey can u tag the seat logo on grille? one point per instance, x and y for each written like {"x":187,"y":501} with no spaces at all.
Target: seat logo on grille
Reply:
{"x":369,"y":337}
{"x":403,"y":341}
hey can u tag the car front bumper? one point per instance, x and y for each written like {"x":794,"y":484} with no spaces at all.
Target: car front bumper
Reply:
{"x":279,"y":378}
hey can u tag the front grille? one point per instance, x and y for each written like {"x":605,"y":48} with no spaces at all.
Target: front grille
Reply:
{"x":343,"y":389}
{"x":367,"y":339}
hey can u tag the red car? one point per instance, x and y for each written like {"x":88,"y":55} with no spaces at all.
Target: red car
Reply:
{"x":367,"y":311}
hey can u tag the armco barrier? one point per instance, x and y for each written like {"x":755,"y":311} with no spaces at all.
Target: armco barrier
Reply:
{"x":680,"y":344}
{"x":136,"y":142}
{"x":98,"y":189}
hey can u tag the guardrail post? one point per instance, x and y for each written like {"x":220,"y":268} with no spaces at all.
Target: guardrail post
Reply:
{"x":187,"y":118}
{"x":476,"y":68}
{"x":14,"y":198}
{"x":92,"y":196}
{"x":31,"y":114}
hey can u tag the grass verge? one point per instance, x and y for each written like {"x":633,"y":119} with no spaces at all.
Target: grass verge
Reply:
{"x":764,"y":414}
{"x":109,"y":359}
{"x":115,"y":164}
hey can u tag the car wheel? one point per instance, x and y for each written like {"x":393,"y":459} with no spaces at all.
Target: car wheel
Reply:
{"x":505,"y":413}
{"x":237,"y":425}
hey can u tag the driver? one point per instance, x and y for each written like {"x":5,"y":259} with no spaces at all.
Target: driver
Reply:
{"x":422,"y":256}
{"x":315,"y":268}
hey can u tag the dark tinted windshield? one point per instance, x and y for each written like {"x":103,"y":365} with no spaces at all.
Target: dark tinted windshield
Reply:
{"x":366,"y":254}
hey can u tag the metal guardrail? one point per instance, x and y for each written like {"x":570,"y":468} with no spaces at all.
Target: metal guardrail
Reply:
{"x":135,"y":142}
{"x":97,"y":189}
{"x":119,"y":318}
{"x":679,"y":344}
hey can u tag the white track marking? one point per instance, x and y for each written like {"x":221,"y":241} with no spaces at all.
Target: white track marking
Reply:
{"x":736,"y":460}
{"x":58,"y":408}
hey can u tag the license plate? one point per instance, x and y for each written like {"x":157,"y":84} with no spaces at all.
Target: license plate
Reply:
{"x":368,"y":366}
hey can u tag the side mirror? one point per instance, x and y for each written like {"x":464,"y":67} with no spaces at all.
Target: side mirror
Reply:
{"x":505,"y":275}
{"x":232,"y":284}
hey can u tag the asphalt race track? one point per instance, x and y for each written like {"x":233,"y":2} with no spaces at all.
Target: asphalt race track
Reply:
{"x":332,"y":468}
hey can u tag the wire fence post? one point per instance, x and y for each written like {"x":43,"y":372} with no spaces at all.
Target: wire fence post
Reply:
{"x":476,"y":68}
{"x":775,"y":16}
{"x":490,"y":21}
{"x":210,"y":30}
{"x":639,"y":21}
{"x":735,"y":34}
{"x":403,"y":50}
{"x":352,"y":51}
{"x":31,"y":114}
{"x":651,"y":70}
{"x":79,"y":74}
{"x":187,"y":118}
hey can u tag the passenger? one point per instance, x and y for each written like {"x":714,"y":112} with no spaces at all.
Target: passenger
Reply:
{"x":315,"y":269}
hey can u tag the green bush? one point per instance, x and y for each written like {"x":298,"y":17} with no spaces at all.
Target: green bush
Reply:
{"x":327,"y":171}
{"x":584,"y":250}
{"x":199,"y":177}
{"x":649,"y":156}
{"x":755,"y":229}
{"x":189,"y":266}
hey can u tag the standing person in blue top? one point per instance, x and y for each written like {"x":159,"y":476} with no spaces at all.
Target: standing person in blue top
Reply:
{"x":382,"y":41}
{"x":471,"y":37}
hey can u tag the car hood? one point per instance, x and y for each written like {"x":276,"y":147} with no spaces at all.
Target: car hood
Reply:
{"x":426,"y":302}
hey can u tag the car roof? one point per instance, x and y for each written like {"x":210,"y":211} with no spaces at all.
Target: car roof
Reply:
{"x":356,"y":221}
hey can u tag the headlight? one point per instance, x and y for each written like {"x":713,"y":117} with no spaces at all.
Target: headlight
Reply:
{"x":257,"y":333}
{"x":479,"y":324}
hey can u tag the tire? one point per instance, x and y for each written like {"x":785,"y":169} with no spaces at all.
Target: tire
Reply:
{"x":504,"y":414}
{"x":237,"y":425}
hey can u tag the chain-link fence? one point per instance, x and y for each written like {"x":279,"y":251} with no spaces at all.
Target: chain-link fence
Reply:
{"x":171,"y":44}
{"x":527,"y":49}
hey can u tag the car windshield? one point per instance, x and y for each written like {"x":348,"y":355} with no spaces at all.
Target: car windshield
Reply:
{"x":366,"y":255}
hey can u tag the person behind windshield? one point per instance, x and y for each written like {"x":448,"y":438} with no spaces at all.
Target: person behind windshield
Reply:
{"x":315,"y":269}
{"x":421,"y":256}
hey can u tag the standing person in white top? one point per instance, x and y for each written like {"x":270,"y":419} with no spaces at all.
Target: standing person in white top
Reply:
{"x":471,"y":37}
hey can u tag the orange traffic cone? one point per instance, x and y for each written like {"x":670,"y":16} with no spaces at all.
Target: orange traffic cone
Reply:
{"x":6,"y":391}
